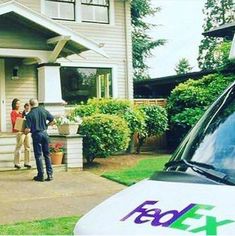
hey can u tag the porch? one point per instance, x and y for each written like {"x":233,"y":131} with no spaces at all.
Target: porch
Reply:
{"x":73,"y":156}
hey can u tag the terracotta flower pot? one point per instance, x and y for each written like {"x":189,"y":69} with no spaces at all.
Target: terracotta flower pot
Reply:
{"x":56,"y":158}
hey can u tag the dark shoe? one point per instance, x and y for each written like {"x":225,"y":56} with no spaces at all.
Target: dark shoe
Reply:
{"x":17,"y":167}
{"x":39,"y":179}
{"x":28,"y":166}
{"x":49,"y":178}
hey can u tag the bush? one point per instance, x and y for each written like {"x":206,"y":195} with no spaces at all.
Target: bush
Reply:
{"x":135,"y":120}
{"x":85,"y":110}
{"x":104,"y":135}
{"x":155,"y":119}
{"x":189,"y":100}
{"x":110,"y":106}
{"x":156,"y":122}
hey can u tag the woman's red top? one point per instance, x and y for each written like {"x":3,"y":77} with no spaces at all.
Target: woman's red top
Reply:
{"x":14,"y":116}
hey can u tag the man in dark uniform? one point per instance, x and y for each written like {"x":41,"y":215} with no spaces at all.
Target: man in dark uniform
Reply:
{"x":37,"y":121}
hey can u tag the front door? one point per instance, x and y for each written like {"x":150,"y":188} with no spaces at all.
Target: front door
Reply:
{"x":2,"y":97}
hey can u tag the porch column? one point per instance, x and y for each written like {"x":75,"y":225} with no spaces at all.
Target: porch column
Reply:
{"x":49,"y":88}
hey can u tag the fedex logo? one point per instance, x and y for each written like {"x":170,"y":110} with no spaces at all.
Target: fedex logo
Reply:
{"x":147,"y":212}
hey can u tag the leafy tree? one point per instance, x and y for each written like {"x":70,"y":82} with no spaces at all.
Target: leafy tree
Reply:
{"x":183,"y":67}
{"x":189,"y":100}
{"x":143,"y":44}
{"x":217,"y":13}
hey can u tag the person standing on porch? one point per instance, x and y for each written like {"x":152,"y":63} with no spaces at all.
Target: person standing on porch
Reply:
{"x":21,"y":138}
{"x":37,"y":121}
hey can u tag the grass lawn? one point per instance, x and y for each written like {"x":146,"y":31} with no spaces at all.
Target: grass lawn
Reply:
{"x":58,"y":226}
{"x":143,"y":169}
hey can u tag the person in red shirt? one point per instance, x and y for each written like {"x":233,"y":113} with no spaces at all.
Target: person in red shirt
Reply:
{"x":21,"y":138}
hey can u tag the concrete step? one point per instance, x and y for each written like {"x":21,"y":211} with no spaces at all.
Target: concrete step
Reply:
{"x":7,"y":141}
{"x":9,"y":156}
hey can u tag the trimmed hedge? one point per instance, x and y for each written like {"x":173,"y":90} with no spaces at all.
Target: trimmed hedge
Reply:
{"x":104,"y":135}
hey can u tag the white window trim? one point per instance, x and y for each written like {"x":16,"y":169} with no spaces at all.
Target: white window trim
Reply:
{"x":113,"y":67}
{"x":78,"y":18}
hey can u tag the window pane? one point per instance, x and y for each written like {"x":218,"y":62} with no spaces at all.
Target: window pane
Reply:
{"x":60,"y":10}
{"x":101,"y":14}
{"x":95,"y":14}
{"x":67,"y":11}
{"x":80,"y":84}
{"x":51,"y":9}
{"x":87,"y":13}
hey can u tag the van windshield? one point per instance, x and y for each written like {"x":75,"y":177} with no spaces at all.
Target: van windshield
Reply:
{"x":212,"y":141}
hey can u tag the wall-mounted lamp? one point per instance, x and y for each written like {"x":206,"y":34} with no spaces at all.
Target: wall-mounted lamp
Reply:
{"x":15,"y":73}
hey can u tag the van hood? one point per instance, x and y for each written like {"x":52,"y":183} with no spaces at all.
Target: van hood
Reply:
{"x":163,"y":208}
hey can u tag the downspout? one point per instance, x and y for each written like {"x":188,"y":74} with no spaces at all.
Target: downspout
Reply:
{"x":128,"y":95}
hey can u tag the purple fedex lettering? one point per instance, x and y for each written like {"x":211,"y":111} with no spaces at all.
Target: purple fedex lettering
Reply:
{"x":155,"y":214}
{"x":139,"y":209}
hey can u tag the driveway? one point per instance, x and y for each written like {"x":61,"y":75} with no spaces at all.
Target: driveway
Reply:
{"x":69,"y":194}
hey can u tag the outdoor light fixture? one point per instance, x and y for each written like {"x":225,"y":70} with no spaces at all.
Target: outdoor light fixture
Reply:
{"x":15,"y":73}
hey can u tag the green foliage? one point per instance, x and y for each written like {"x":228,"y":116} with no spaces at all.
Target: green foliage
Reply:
{"x":135,"y":120}
{"x":189,"y":100}
{"x":155,"y":119}
{"x":217,"y":13}
{"x":120,"y":107}
{"x":142,"y":43}
{"x":104,"y":135}
{"x":110,"y":106}
{"x":85,"y":110}
{"x":221,"y":55}
{"x":156,"y":123}
{"x":183,"y":67}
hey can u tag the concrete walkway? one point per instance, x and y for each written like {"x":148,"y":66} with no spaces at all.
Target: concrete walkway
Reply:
{"x":69,"y":194}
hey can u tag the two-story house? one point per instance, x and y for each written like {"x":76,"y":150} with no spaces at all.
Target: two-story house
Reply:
{"x":63,"y":50}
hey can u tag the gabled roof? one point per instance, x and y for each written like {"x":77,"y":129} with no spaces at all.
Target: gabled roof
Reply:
{"x":76,"y":42}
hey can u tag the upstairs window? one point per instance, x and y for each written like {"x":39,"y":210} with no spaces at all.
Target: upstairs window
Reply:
{"x":96,"y":11}
{"x":60,"y":9}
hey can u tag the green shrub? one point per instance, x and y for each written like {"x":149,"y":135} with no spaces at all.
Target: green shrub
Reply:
{"x":155,"y":119}
{"x":189,"y":100}
{"x":104,"y":135}
{"x":110,"y":106}
{"x":85,"y":110}
{"x":156,"y":122}
{"x":135,"y":119}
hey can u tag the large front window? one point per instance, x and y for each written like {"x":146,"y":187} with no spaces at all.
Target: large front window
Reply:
{"x":95,"y":11}
{"x":60,"y":9}
{"x":80,"y":84}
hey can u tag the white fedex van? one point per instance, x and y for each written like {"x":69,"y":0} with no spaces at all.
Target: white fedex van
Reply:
{"x":194,"y":195}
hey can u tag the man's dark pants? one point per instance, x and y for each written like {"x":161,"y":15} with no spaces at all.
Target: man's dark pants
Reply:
{"x":41,"y":146}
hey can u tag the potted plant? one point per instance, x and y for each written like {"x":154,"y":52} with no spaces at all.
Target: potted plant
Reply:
{"x":56,"y":153}
{"x":68,"y":124}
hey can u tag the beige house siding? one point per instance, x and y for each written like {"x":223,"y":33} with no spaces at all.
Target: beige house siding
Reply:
{"x":116,"y":39}
{"x":23,"y":88}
